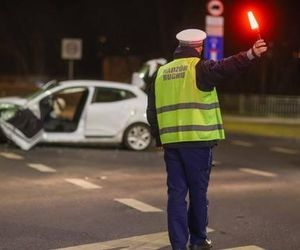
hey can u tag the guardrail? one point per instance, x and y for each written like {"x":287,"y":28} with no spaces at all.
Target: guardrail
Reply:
{"x":256,"y":105}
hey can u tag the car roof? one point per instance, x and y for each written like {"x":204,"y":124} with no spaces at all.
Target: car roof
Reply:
{"x":99,"y":83}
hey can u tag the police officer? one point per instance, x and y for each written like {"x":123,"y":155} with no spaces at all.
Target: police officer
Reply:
{"x":184,"y":115}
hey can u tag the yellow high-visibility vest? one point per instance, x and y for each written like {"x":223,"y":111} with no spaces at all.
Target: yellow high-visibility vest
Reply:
{"x":185,"y":113}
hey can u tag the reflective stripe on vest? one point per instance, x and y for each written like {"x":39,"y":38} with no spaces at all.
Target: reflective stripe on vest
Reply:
{"x":187,"y":106}
{"x":184,"y":112}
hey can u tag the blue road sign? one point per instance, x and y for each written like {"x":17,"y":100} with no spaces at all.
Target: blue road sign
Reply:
{"x":213,"y":48}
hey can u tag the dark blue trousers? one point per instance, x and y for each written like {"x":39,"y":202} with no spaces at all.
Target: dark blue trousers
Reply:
{"x":188,"y":171}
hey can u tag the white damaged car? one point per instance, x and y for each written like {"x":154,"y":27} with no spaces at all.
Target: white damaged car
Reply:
{"x":78,"y":111}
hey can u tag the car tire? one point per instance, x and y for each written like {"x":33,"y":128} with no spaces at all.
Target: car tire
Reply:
{"x":137,"y":137}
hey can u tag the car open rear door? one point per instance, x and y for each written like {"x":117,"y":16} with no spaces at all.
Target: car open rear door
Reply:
{"x":24,"y":129}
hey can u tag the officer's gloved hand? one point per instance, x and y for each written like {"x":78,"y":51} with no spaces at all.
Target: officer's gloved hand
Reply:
{"x":259,"y":48}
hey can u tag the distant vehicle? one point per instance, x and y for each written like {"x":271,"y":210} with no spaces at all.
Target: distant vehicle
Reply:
{"x":145,"y":75}
{"x":78,"y":111}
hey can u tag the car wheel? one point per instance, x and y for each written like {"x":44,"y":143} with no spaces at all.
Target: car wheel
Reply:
{"x":137,"y":137}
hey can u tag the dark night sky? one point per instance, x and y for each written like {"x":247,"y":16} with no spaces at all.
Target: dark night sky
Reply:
{"x":31,"y":33}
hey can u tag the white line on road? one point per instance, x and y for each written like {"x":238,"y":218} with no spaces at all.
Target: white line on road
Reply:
{"x":82,"y":183}
{"x":242,"y":143}
{"x":11,"y":156}
{"x":245,"y":248}
{"x":149,"y":241}
{"x":154,"y":241}
{"x":41,"y":167}
{"x":141,"y":206}
{"x":258,"y":172}
{"x":284,"y":150}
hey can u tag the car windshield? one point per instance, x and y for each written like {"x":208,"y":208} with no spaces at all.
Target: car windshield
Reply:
{"x":144,"y":71}
{"x":45,"y":87}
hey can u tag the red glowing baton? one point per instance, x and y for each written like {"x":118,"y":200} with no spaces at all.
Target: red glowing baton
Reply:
{"x":253,"y":23}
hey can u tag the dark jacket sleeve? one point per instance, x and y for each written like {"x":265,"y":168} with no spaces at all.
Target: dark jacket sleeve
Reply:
{"x":151,"y":113}
{"x":209,"y":73}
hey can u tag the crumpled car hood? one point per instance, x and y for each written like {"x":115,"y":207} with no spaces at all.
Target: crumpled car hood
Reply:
{"x":13,"y":100}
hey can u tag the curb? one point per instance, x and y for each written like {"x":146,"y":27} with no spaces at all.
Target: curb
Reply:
{"x":273,"y":120}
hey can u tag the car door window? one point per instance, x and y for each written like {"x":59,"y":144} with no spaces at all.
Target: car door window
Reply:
{"x":63,"y":109}
{"x":111,"y":95}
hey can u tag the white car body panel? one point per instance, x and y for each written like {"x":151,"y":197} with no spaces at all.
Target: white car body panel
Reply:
{"x":14,"y":100}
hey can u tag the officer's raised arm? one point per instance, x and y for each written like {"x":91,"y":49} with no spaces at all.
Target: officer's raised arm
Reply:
{"x":210,"y":73}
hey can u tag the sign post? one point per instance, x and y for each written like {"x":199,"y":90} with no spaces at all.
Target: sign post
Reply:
{"x":214,"y":24}
{"x":71,"y":49}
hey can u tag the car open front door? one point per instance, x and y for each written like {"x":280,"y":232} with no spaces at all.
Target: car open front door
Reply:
{"x":23,"y":128}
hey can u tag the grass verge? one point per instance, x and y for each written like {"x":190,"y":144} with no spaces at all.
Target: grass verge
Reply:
{"x":263,"y":129}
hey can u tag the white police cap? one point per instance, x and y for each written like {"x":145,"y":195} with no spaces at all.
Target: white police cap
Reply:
{"x":191,"y":37}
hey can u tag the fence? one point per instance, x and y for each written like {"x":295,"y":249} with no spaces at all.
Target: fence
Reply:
{"x":256,"y":105}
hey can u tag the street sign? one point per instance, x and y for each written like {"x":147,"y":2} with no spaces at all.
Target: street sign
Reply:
{"x":213,"y":48}
{"x":215,"y":7}
{"x":214,"y":24}
{"x":71,"y":49}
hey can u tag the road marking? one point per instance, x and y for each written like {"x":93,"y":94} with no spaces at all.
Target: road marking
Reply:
{"x":141,"y":206}
{"x":284,"y":150}
{"x":11,"y":156}
{"x":154,"y":241}
{"x":245,"y":248}
{"x":41,"y":167}
{"x":149,"y":241}
{"x":242,"y":143}
{"x":82,"y":183}
{"x":258,"y":172}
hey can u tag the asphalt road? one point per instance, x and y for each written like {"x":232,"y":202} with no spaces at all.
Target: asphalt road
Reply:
{"x":55,"y":197}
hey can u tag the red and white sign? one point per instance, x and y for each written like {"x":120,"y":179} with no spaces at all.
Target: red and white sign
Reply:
{"x":214,"y":25}
{"x":215,"y":7}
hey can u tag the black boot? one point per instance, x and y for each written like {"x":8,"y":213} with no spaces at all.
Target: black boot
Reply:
{"x":206,"y":245}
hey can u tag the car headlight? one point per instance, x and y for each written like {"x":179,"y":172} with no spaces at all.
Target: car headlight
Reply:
{"x":4,"y":106}
{"x":6,"y":114}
